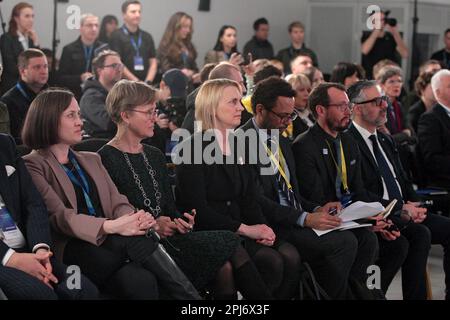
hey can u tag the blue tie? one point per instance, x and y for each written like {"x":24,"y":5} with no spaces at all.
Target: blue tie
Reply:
{"x":386,"y":173}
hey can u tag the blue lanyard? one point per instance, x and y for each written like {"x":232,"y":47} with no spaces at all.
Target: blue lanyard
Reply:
{"x":84,"y":183}
{"x":87,"y":56}
{"x":135,"y":45}
{"x":22,"y":91}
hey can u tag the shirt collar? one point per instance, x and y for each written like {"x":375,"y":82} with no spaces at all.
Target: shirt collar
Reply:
{"x":364,"y":132}
{"x":446,"y":108}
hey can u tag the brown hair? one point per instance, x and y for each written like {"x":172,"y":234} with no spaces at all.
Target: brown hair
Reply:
{"x":41,"y":126}
{"x":296,"y":24}
{"x":126,"y":95}
{"x":16,"y":13}
{"x":319,"y":95}
{"x":422,"y":81}
{"x":170,"y":45}
{"x":25,"y":56}
{"x":126,"y":4}
{"x":99,"y":60}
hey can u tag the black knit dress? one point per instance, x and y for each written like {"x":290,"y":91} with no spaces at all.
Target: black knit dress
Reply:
{"x":200,"y":254}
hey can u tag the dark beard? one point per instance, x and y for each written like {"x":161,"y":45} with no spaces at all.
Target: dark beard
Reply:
{"x":335,"y":127}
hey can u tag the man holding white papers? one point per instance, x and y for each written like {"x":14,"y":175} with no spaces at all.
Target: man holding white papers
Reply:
{"x":292,"y":217}
{"x":384,"y":180}
{"x":328,"y":167}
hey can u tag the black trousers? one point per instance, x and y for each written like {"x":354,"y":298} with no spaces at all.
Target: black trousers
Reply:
{"x":336,"y":256}
{"x":410,"y":252}
{"x":111,"y":271}
{"x":17,"y":284}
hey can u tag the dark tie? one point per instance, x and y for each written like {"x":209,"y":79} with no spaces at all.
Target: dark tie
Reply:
{"x":289,"y":193}
{"x":386,"y":173}
{"x":337,"y":147}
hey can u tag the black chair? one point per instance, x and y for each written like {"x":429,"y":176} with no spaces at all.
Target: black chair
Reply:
{"x":90,"y":144}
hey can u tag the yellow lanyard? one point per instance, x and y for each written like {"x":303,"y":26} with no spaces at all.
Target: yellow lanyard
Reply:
{"x":343,"y":170}
{"x":278,"y":165}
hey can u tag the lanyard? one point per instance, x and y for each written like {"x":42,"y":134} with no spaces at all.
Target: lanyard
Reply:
{"x":343,"y":170}
{"x":84,"y":183}
{"x":22,"y":91}
{"x":278,"y":164}
{"x":87,"y":56}
{"x":135,"y":45}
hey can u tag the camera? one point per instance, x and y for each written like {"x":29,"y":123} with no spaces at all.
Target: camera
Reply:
{"x":174,"y":109}
{"x":390,"y":21}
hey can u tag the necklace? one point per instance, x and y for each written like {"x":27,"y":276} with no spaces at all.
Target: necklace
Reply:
{"x":156,"y":211}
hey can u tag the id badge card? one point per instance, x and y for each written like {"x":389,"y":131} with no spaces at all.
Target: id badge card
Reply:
{"x":346,"y":198}
{"x":10,"y":234}
{"x":138,"y":63}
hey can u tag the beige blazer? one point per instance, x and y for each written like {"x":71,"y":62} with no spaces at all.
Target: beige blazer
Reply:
{"x":60,"y":198}
{"x":213,"y":56}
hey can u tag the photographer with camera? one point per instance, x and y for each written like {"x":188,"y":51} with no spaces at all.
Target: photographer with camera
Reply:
{"x":383,"y":42}
{"x":171,"y":108}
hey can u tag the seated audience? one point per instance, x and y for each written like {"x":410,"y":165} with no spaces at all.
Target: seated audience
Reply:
{"x":33,"y":69}
{"x":94,"y":226}
{"x":225,"y":193}
{"x":108,"y":70}
{"x":347,"y":73}
{"x":434,"y":134}
{"x":28,"y":269}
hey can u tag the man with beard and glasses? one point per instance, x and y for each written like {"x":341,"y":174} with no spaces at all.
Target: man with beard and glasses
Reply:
{"x":385,"y":180}
{"x":328,"y":165}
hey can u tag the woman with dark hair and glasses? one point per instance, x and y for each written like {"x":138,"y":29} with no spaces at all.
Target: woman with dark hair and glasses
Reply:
{"x":225,"y":48}
{"x":94,"y":226}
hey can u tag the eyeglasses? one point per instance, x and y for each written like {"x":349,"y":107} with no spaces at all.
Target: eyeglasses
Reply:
{"x":285,"y":117}
{"x":114,"y":66}
{"x":343,"y":106}
{"x":378,"y":101}
{"x":149,"y":113}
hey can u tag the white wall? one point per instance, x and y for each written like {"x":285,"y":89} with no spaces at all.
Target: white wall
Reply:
{"x":240,"y":13}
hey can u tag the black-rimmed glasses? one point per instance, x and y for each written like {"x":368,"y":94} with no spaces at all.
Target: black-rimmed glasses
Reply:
{"x":285,"y":117}
{"x":378,"y":101}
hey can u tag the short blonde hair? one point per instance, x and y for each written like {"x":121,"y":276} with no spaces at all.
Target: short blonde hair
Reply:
{"x":127,"y":95}
{"x":298,"y":80}
{"x":208,"y":99}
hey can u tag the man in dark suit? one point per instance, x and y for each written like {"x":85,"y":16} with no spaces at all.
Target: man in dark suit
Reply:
{"x":434,"y":133}
{"x":385,"y":180}
{"x":328,"y":162}
{"x":331,"y":256}
{"x":33,"y":69}
{"x":27,"y":269}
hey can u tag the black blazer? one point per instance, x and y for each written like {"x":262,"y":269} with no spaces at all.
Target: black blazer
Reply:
{"x":434,"y":144}
{"x":414,"y":113}
{"x":10,"y":48}
{"x":21,"y":198}
{"x":281,"y":218}
{"x":316,"y":172}
{"x":300,"y":126}
{"x":73,"y":64}
{"x":224,"y":195}
{"x":371,"y":174}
